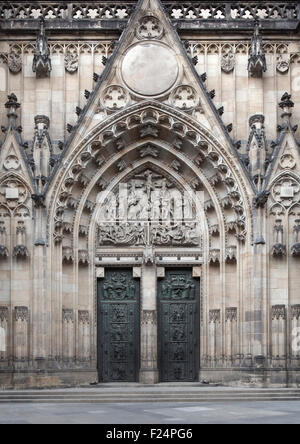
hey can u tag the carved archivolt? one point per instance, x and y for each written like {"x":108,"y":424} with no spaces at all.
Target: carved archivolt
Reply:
{"x":117,"y":149}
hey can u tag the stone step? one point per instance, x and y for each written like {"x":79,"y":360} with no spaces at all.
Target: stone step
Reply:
{"x":267,"y":392}
{"x":109,"y":396}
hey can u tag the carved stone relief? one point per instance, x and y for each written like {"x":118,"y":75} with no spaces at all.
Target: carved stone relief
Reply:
{"x":14,"y":62}
{"x":283,"y":64}
{"x":287,"y":161}
{"x":184,"y":97}
{"x":149,"y":28}
{"x":286,"y":191}
{"x":13,"y":192}
{"x":114,"y":97}
{"x":228,"y":62}
{"x":149,"y":210}
{"x":71,"y":62}
{"x":11,"y":162}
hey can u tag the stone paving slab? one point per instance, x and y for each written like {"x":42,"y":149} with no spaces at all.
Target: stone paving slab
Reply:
{"x":149,"y":413}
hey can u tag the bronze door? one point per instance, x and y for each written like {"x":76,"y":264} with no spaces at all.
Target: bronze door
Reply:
{"x":118,"y":326}
{"x":178,"y":326}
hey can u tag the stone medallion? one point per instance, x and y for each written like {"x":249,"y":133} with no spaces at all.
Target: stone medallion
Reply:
{"x":149,"y":28}
{"x":114,"y":97}
{"x":228,"y":62}
{"x":11,"y":162}
{"x":149,"y":69}
{"x":184,"y":97}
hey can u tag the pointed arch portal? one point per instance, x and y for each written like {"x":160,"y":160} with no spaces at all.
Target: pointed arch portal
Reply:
{"x":151,"y":249}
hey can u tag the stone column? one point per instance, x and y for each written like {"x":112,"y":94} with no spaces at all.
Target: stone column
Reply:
{"x":39,"y":304}
{"x":149,"y":369}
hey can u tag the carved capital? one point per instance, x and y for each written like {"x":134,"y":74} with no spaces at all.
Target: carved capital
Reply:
{"x":67,"y":315}
{"x":278,"y":312}
{"x":295,"y":311}
{"x":149,"y":317}
{"x":21,"y":314}
{"x":83,"y":316}
{"x":215,"y":316}
{"x":4,"y":314}
{"x":231,"y":314}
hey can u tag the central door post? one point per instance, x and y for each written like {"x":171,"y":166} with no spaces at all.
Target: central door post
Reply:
{"x":149,"y":368}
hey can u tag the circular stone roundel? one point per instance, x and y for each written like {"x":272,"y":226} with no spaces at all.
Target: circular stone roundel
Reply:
{"x":149,"y":69}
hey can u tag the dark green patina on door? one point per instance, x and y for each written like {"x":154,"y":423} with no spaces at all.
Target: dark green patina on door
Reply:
{"x":118,"y":326}
{"x":178,"y":334}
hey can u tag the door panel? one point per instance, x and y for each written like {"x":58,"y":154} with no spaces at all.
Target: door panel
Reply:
{"x":178,"y":314}
{"x":118,"y":326}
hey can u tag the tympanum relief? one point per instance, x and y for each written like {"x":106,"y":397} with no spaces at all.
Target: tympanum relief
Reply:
{"x":148,"y":210}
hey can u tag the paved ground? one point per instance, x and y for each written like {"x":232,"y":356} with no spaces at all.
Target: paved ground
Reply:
{"x":280,"y":412}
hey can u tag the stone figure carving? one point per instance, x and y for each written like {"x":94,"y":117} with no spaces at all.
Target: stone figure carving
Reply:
{"x":228,"y":62}
{"x":283,"y":65}
{"x":151,"y":212}
{"x":123,"y":234}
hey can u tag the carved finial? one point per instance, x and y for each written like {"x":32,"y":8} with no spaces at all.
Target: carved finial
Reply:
{"x":257,"y":61}
{"x":286,"y":104}
{"x":41,"y":61}
{"x":12,"y":105}
{"x":203,"y":77}
{"x":42,"y":122}
{"x":257,"y":121}
{"x":286,"y":101}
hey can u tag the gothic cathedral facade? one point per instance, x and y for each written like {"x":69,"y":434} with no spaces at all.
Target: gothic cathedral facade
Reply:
{"x":149,"y":192}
